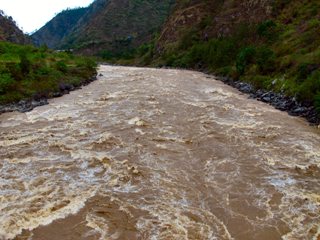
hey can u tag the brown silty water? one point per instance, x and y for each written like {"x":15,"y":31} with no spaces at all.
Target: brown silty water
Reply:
{"x":158,"y":154}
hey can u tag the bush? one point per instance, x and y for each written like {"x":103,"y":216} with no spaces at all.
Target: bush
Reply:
{"x":106,"y":55}
{"x":221,"y":52}
{"x":265,"y":59}
{"x":267,"y":30}
{"x":244,"y":58}
{"x":304,"y":70}
{"x":189,"y":37}
{"x":62,"y":66}
{"x":25,"y":64}
{"x":6,"y":81}
{"x":310,"y":87}
{"x":15,"y":70}
{"x":216,"y":53}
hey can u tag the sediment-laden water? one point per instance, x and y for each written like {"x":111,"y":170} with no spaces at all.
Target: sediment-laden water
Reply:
{"x":158,"y":154}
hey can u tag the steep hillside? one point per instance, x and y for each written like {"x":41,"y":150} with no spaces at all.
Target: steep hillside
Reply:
{"x":272,"y":44}
{"x":10,"y":32}
{"x":29,"y":75}
{"x":59,"y":27}
{"x":212,"y":18}
{"x":109,"y":26}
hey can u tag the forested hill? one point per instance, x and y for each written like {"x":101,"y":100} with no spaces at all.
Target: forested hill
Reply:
{"x":105,"y":26}
{"x":9,"y":30}
{"x":60,"y":26}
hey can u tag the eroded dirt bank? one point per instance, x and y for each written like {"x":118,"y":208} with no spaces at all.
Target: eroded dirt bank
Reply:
{"x":158,"y":154}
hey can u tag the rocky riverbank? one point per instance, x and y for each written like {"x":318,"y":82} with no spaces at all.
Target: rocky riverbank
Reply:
{"x":27,"y":105}
{"x":278,"y":100}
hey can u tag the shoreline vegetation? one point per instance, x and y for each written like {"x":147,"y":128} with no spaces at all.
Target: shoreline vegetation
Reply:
{"x":29,"y":75}
{"x":273,"y":54}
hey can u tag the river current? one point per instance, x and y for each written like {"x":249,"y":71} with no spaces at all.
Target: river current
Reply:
{"x":158,"y":154}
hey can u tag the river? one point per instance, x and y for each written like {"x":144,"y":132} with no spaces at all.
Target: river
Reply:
{"x":158,"y":154}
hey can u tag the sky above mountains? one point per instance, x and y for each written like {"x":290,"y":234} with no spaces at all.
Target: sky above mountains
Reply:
{"x":33,"y":14}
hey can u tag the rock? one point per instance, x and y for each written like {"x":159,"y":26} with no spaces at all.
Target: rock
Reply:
{"x":298,"y":110}
{"x":65,"y":87}
{"x":57,"y":94}
{"x":246,"y":88}
{"x":266,"y":99}
{"x":278,"y":100}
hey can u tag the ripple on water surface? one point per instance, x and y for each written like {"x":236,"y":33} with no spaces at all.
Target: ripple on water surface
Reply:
{"x":158,"y":154}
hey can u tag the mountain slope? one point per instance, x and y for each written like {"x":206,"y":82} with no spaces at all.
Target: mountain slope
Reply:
{"x":111,"y":25}
{"x":60,"y":26}
{"x":10,"y":32}
{"x":272,"y":44}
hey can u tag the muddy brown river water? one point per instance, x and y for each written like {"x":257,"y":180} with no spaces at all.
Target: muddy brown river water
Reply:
{"x":158,"y":154}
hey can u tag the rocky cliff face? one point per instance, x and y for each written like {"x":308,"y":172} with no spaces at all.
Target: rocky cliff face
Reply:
{"x":10,"y":32}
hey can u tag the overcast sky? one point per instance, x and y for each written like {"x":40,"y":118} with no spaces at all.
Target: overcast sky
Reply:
{"x":33,"y":14}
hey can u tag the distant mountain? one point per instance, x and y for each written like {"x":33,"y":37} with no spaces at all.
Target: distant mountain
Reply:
{"x":106,"y":25}
{"x":10,"y":32}
{"x":59,"y":27}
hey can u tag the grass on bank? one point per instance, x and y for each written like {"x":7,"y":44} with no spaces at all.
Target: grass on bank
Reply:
{"x":28,"y":72}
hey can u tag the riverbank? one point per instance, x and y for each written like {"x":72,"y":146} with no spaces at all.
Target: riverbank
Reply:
{"x":29,"y":75}
{"x":277,"y":100}
{"x":27,"y":105}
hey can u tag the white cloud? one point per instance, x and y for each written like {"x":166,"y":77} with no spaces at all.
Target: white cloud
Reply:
{"x":33,"y":14}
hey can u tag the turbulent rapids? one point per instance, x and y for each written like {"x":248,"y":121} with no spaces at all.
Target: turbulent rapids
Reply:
{"x":160,"y":155}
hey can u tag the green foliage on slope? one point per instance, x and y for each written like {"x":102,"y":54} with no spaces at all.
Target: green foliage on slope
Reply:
{"x":60,"y":26}
{"x":28,"y":72}
{"x":274,"y":45}
{"x":113,"y":27}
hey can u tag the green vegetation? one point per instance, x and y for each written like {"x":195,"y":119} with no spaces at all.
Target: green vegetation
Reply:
{"x":59,"y":27}
{"x":109,"y":29}
{"x":280,"y":53}
{"x":27,"y":72}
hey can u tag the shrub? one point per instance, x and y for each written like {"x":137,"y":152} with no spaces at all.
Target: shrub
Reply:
{"x":265,"y":59}
{"x":305,"y":70}
{"x":302,"y":71}
{"x":6,"y":81}
{"x":244,"y":58}
{"x":189,"y":37}
{"x":25,"y":64}
{"x":221,"y":52}
{"x":267,"y":30}
{"x":106,"y":55}
{"x":62,"y":66}
{"x":144,"y":49}
{"x":310,"y":87}
{"x":15,"y":70}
